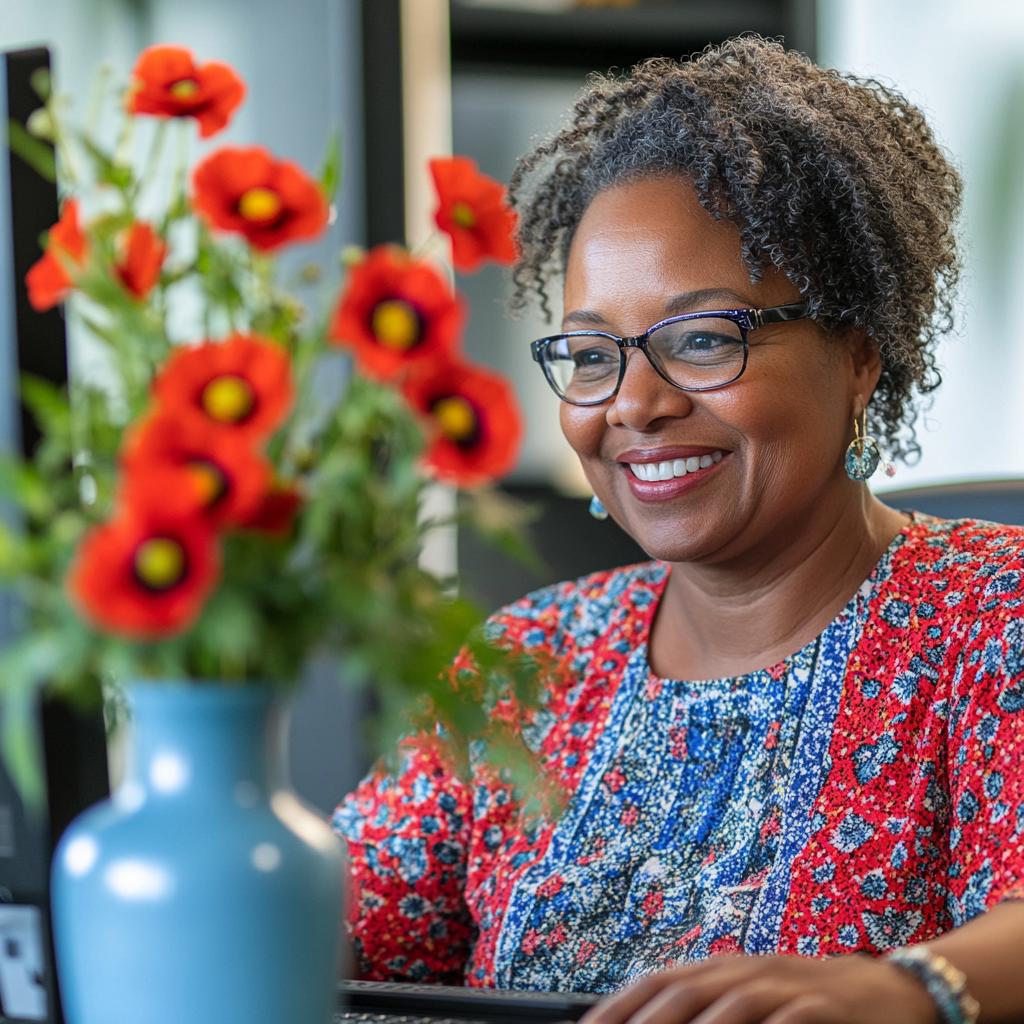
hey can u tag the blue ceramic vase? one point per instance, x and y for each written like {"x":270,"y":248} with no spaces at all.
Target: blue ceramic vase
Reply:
{"x":202,"y":892}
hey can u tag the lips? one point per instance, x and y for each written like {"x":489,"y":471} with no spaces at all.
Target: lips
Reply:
{"x":668,"y":469}
{"x":662,"y":474}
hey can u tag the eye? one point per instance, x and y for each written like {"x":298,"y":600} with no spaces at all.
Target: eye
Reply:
{"x":698,"y":342}
{"x":702,"y":341}
{"x":593,"y":357}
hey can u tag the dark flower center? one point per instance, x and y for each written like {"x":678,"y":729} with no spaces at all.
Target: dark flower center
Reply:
{"x":463,"y":215}
{"x":260,"y":205}
{"x":211,"y":483}
{"x":228,"y":399}
{"x":184,"y":89}
{"x":159,"y":563}
{"x":457,"y":419}
{"x":396,"y":324}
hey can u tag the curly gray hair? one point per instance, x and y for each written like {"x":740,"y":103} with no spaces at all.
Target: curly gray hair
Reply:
{"x":835,"y":180}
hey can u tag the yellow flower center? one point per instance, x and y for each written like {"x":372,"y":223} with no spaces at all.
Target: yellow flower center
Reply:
{"x":259,"y":204}
{"x":396,"y":325}
{"x":209,"y":481}
{"x":160,"y":563}
{"x":228,"y":399}
{"x":184,"y":89}
{"x":463,"y":215}
{"x":456,"y":418}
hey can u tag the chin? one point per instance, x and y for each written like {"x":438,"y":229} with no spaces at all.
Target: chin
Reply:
{"x":678,"y":539}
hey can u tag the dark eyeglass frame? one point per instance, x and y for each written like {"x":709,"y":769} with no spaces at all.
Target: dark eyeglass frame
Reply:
{"x":746,"y":319}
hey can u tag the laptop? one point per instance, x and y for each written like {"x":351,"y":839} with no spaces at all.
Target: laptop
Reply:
{"x":386,"y":1002}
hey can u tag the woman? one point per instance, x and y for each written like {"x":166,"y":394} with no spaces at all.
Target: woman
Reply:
{"x":798,"y":730}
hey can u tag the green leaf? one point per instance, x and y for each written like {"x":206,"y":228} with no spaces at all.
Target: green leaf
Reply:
{"x":41,"y":84}
{"x":330,"y":173}
{"x":24,"y":666}
{"x":38,"y":155}
{"x":108,"y":172}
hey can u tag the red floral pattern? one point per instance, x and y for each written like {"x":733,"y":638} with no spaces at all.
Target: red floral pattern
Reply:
{"x":914,"y":822}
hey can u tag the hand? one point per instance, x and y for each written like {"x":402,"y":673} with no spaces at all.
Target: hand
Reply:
{"x":772,"y":990}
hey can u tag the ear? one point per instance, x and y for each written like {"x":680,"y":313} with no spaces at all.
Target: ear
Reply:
{"x":865,"y":362}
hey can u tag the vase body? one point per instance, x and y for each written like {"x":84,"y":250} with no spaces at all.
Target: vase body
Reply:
{"x":202,"y":892}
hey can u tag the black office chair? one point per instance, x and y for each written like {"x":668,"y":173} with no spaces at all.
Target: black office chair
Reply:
{"x":999,"y":501}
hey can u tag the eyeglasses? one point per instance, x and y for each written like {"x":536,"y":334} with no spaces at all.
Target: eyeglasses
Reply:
{"x":694,"y":352}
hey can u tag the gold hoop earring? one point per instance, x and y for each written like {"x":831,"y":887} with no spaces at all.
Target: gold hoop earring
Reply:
{"x":863,"y":455}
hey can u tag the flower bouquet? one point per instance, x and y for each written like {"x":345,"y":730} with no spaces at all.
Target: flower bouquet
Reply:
{"x":233,"y":482}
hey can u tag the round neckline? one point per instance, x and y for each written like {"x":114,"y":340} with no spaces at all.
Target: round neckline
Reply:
{"x":865,"y":591}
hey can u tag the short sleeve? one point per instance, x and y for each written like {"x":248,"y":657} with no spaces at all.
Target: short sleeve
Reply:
{"x":986,"y":752}
{"x":407,"y":837}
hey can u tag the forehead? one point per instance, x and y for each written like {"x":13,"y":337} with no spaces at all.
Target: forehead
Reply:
{"x":647,"y":241}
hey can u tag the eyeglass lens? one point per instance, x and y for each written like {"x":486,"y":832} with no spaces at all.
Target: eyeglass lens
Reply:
{"x":698,"y":354}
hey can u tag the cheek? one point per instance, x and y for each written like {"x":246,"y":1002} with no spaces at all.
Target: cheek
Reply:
{"x":583,"y":428}
{"x":793,"y":414}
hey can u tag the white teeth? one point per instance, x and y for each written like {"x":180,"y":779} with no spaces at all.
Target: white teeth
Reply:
{"x":653,"y":471}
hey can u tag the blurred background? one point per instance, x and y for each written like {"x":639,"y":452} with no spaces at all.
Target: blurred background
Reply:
{"x":407,"y":79}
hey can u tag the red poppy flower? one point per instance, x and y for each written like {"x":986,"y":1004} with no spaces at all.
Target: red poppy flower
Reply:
{"x":142,"y":258}
{"x":227,"y":476}
{"x":473,"y":212}
{"x":474,"y":421}
{"x":396,"y":312}
{"x":147,"y":573}
{"x":269,"y":202}
{"x":167,"y":82}
{"x":276,"y":511}
{"x":49,"y":279}
{"x":243,"y":385}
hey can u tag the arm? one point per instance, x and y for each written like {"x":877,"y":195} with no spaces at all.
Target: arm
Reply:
{"x":843,"y":990}
{"x":407,"y":838}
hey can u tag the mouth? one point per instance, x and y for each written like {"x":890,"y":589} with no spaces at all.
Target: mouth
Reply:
{"x":653,"y":477}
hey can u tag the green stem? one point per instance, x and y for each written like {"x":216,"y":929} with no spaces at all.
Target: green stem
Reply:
{"x":99,"y":91}
{"x":60,"y":143}
{"x":153,"y":159}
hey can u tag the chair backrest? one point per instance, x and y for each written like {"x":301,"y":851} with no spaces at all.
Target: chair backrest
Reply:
{"x":999,"y":501}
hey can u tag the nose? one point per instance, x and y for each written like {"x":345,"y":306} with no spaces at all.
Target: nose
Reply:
{"x":645,"y":397}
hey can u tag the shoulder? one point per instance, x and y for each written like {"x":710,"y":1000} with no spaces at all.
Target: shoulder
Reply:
{"x":578,"y":612}
{"x":955,"y":596}
{"x":962,"y":562}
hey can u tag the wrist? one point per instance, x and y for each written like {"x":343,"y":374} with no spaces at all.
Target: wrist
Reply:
{"x":945,"y":984}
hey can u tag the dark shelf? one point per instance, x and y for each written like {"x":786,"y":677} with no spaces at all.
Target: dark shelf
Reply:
{"x":604,"y":38}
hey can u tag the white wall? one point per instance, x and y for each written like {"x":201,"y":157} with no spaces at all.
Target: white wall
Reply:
{"x":962,"y":61}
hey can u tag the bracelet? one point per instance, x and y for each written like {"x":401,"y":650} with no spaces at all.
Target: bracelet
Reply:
{"x":945,"y":984}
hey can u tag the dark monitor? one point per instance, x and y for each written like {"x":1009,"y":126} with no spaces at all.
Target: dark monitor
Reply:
{"x":73,"y":739}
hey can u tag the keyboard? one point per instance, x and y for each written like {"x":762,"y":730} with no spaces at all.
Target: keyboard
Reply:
{"x":387,"y":1002}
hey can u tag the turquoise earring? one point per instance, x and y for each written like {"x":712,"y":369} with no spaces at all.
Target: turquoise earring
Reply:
{"x":864,"y":455}
{"x":597,"y":510}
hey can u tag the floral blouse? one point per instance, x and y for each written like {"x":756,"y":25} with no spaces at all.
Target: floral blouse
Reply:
{"x":862,"y":794}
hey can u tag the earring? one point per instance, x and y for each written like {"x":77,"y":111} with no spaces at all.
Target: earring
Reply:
{"x":597,"y":510}
{"x":864,"y":455}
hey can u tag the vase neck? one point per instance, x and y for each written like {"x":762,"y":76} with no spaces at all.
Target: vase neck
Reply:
{"x":203,"y":741}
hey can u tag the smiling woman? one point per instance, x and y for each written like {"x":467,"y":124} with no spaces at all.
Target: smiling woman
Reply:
{"x":796,"y":732}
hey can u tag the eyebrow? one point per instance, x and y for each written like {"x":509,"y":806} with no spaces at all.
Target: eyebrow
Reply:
{"x":709,"y":299}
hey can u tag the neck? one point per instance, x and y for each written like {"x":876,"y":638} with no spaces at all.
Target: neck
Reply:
{"x":728,"y":617}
